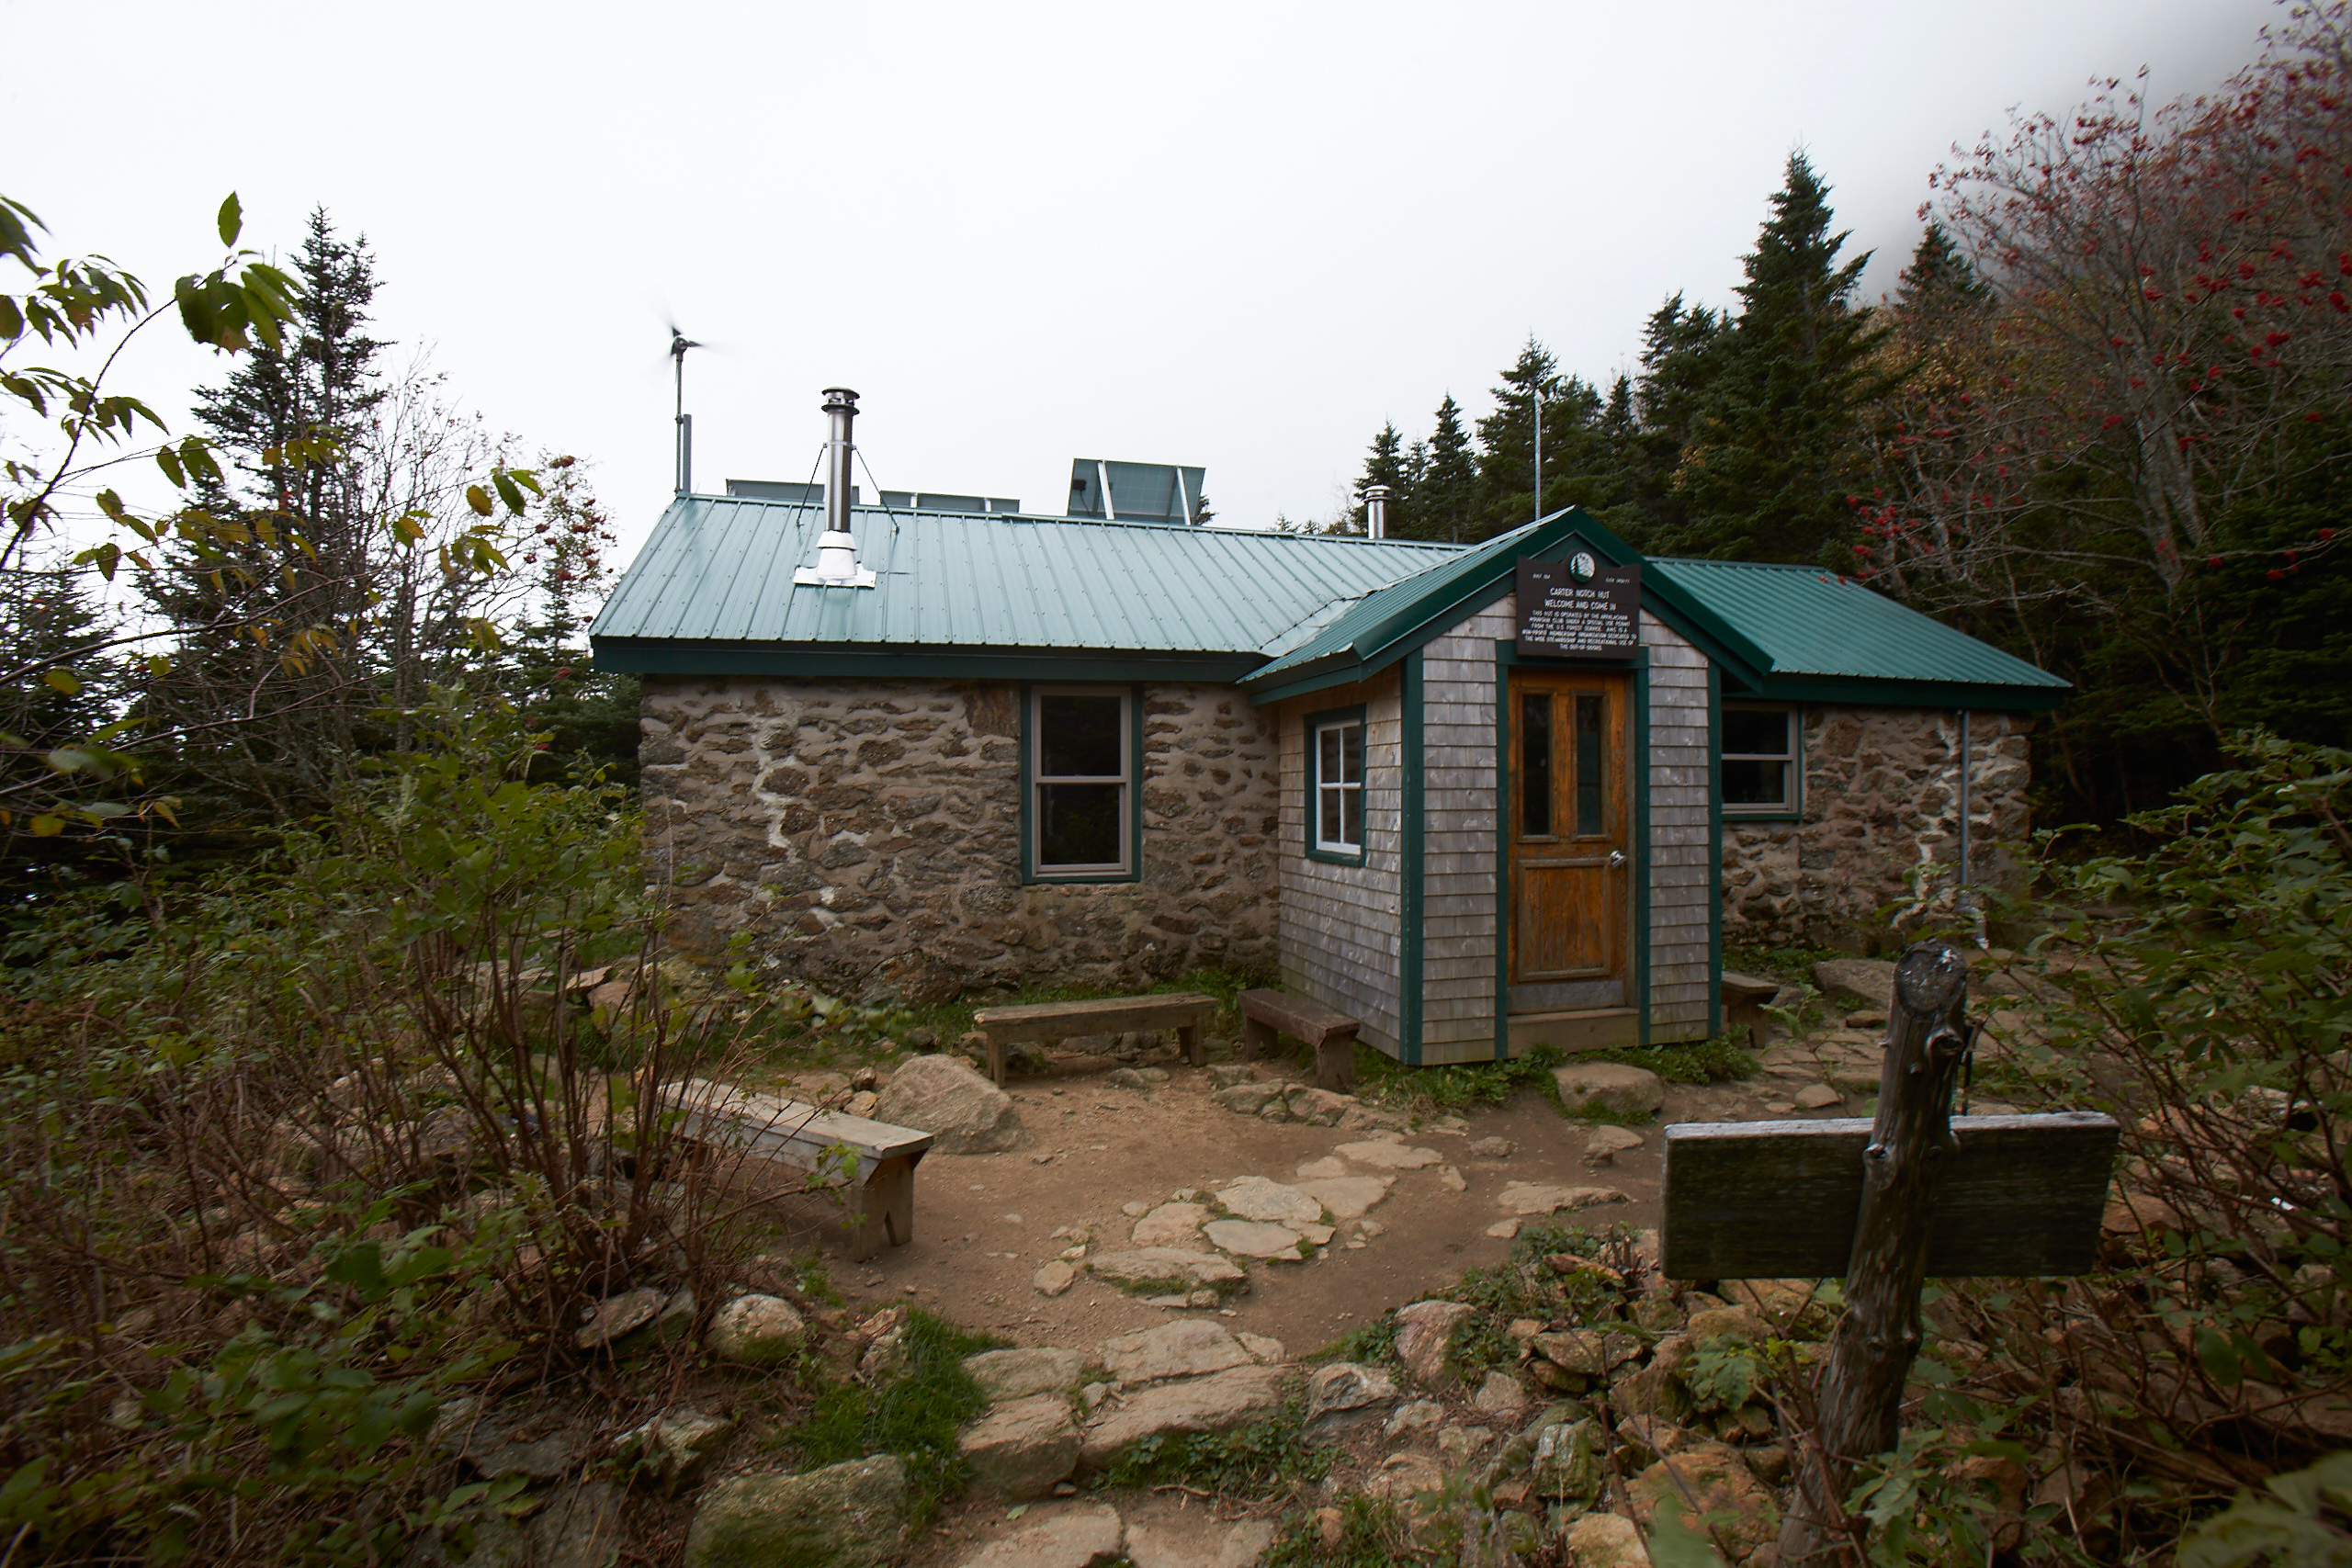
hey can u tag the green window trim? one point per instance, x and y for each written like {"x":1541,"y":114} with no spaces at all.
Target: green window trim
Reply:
{"x":1031,"y":875}
{"x":1313,"y":771}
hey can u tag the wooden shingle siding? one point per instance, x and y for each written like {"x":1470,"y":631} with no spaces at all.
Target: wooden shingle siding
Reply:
{"x":1339,"y":924}
{"x":1680,"y":877}
{"x":1458,"y":952}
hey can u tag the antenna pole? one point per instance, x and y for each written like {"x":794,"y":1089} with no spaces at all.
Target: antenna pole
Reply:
{"x":679,"y":343}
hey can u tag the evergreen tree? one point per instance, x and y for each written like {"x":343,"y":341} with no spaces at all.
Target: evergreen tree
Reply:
{"x":1450,"y":479}
{"x":1385,"y":464}
{"x":1772,"y":450}
{"x":1505,"y":495}
{"x":291,"y":418}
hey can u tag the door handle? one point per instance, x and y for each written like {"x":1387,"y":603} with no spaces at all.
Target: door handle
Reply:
{"x":1616,"y":858}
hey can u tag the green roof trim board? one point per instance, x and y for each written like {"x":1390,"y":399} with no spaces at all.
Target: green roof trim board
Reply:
{"x":1010,"y":597}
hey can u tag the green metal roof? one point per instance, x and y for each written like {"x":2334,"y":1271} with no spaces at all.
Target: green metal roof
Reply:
{"x":717,"y":574}
{"x":1800,"y":621}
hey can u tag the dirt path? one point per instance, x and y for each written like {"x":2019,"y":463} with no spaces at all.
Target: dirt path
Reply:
{"x":984,"y":1224}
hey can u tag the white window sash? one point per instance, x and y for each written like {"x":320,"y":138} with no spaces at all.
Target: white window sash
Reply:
{"x":1039,"y":778}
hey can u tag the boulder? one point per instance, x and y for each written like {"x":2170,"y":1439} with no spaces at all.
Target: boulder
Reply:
{"x":845,"y":1516}
{"x":1345,"y":1396}
{"x":617,"y":1317}
{"x":578,"y":1526}
{"x":1079,"y":1535}
{"x":1248,"y":1098}
{"x":1870,"y":981}
{"x":671,"y":1451}
{"x":963,"y":1112}
{"x":1021,"y":1448}
{"x":1501,"y":1394}
{"x":756,"y":1331}
{"x":1054,"y":1278}
{"x":1570,"y":1464}
{"x":1017,"y":1374}
{"x":1591,"y":1352}
{"x":1710,"y":1479}
{"x":1222,"y":1401}
{"x":1188,"y":1347}
{"x":1255,"y":1198}
{"x":1604,"y":1540}
{"x":1494,"y":1149}
{"x":1250,"y":1238}
{"x":1171,"y":1225}
{"x":1611,"y":1086}
{"x":1317,"y":1107}
{"x":1425,"y":1335}
{"x":1420,"y":1416}
{"x":1167,"y":1269}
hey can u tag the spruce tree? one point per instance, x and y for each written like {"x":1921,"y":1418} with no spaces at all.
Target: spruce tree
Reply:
{"x":1772,"y":448}
{"x":1385,"y":464}
{"x":1505,"y":496}
{"x":1450,"y":480}
{"x":291,"y":420}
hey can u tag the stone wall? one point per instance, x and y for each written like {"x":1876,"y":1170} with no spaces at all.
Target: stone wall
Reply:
{"x":867,"y":834}
{"x":1881,"y":796}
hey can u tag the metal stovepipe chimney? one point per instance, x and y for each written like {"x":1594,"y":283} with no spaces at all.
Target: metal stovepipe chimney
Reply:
{"x":837,"y":547}
{"x":1375,"y":511}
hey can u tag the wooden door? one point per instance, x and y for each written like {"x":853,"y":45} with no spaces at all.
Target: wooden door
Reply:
{"x":1571,"y":853}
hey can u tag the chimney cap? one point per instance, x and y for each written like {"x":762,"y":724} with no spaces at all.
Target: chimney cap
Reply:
{"x":839,"y":398}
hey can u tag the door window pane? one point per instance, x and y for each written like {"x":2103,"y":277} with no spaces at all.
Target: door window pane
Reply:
{"x":1535,"y":764}
{"x":1593,"y":765}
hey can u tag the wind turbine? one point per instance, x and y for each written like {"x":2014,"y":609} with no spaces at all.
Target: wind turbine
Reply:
{"x":679,"y":343}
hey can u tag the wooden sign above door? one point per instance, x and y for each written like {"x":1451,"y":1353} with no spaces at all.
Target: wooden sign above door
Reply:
{"x":1577,"y":606}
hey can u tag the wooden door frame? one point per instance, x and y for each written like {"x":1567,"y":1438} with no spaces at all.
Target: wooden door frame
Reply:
{"x":1637,"y":749}
{"x":1565,"y":845}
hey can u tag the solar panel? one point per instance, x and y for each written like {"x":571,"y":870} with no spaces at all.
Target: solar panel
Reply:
{"x":1134,"y":492}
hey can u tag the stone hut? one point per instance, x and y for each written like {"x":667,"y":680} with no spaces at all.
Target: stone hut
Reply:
{"x":1479,"y":798}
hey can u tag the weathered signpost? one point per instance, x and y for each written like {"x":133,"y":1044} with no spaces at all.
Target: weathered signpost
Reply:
{"x":1886,"y":1203}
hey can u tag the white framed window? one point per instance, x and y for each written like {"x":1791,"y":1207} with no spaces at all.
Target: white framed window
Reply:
{"x":1336,"y":746}
{"x":1760,"y":760}
{"x":1081,"y":755}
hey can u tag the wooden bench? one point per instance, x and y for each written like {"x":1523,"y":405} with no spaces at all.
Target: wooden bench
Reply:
{"x":1186,"y":1012}
{"x":1265,"y":1015}
{"x":1744,"y":998}
{"x":767,"y":1127}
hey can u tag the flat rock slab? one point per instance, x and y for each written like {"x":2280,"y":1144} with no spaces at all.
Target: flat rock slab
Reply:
{"x":1168,"y":1269}
{"x":1525,"y":1199}
{"x":1346,"y":1197}
{"x":1171,"y":1225}
{"x":1255,"y":1198}
{"x":1250,"y":1238}
{"x":1017,"y":1374}
{"x":1218,"y":1402}
{"x":1079,"y":1535}
{"x":1188,"y":1347}
{"x":1389,"y":1157}
{"x":1315,"y":1169}
{"x":1195,"y":1539}
{"x":1021,"y":1448}
{"x":1869,"y":980}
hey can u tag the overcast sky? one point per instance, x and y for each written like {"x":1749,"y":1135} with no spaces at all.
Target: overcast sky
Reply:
{"x":1232,"y":235}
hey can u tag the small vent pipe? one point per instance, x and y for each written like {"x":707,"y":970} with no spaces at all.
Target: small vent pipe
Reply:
{"x":1375,"y":511}
{"x":837,"y":547}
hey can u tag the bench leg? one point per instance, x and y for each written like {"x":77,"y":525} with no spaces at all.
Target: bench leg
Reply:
{"x":1258,"y":1039}
{"x":1335,"y":1064}
{"x":996,"y":1060}
{"x":890,"y":1204}
{"x":1188,"y":1035}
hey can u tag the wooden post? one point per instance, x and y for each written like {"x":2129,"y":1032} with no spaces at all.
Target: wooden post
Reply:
{"x":1859,"y":1401}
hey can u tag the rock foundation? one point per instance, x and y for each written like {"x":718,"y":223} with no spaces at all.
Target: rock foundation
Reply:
{"x":1880,"y":798}
{"x":867,"y":836}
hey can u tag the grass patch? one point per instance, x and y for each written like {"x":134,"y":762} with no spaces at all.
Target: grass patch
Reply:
{"x":1373,"y":1343}
{"x":1373,"y":1534}
{"x":1256,"y":1461}
{"x":1720,"y":1060}
{"x":1524,"y":1284}
{"x":915,"y":1415}
{"x":1459,"y":1086}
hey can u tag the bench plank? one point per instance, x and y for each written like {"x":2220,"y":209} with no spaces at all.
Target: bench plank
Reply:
{"x":1778,"y":1199}
{"x":1187,"y":1012}
{"x":1265,"y":1014}
{"x":770,"y":1127}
